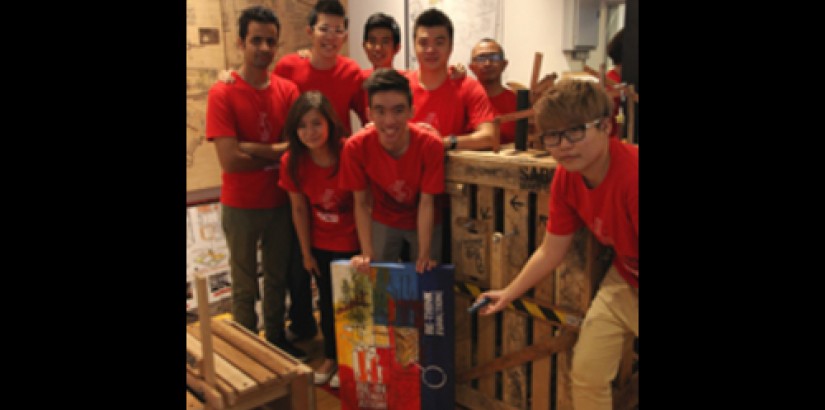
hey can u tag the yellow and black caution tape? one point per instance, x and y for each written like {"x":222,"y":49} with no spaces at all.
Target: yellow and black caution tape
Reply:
{"x":529,"y":307}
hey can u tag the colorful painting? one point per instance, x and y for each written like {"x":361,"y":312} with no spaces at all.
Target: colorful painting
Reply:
{"x":395,"y":336}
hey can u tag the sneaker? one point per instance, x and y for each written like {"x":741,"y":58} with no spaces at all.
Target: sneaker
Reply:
{"x":323,"y":378}
{"x":292,"y":350}
{"x":334,"y":381}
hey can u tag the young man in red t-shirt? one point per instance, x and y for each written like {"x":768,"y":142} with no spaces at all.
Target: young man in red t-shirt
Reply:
{"x":244,"y":120}
{"x":487,"y":63}
{"x":339,"y":78}
{"x":596,"y":184}
{"x":457,"y":108}
{"x":403,"y":166}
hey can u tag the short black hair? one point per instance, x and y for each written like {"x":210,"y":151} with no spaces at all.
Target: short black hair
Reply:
{"x":614,"y":47}
{"x":385,"y":21}
{"x":258,"y":14}
{"x":433,"y":17}
{"x":331,"y":7}
{"x":387,"y":79}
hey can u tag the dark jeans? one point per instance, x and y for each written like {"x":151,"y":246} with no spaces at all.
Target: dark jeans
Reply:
{"x":300,"y":294}
{"x":324,"y":258}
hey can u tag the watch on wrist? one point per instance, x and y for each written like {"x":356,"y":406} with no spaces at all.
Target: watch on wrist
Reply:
{"x":453,"y":142}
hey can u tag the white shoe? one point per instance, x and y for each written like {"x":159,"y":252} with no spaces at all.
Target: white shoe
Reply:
{"x":322,"y":378}
{"x":335,"y":382}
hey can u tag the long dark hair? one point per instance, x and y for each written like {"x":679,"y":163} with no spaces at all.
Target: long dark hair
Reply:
{"x":311,"y":100}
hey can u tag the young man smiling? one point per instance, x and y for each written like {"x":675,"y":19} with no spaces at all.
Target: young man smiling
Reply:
{"x":339,"y":78}
{"x":402,"y":165}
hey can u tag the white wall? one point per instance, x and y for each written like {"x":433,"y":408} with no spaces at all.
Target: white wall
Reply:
{"x":530,"y":26}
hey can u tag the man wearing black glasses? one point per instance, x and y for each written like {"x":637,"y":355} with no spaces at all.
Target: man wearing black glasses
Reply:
{"x":487,"y":63}
{"x":596,"y":184}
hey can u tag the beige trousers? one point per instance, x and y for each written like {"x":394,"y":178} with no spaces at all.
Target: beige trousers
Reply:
{"x":613,"y":315}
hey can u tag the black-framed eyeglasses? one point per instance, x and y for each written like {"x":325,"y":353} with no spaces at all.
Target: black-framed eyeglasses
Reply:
{"x":573,"y":134}
{"x":493,"y":58}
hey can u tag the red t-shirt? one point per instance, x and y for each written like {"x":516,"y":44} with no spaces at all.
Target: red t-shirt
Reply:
{"x":617,"y":101}
{"x":610,"y":211}
{"x":240,"y":111}
{"x":332,"y":221}
{"x":457,"y":106}
{"x":395,"y":183}
{"x":505,"y":103}
{"x":340,"y":84}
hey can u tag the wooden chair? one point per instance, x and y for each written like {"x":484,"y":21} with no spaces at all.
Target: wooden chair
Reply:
{"x":231,"y":368}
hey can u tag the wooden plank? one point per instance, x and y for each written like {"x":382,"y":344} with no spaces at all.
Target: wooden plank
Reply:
{"x":546,"y":346}
{"x":474,"y":400}
{"x":216,"y":398}
{"x":541,"y":371}
{"x":514,"y":326}
{"x":459,"y":209}
{"x":485,"y":214}
{"x":545,"y":290}
{"x":509,"y":169}
{"x":260,"y":397}
{"x":264,"y":352}
{"x":302,"y":390}
{"x":208,"y":365}
{"x":463,"y":333}
{"x":225,"y":370}
{"x":192,"y":402}
{"x":470,"y":251}
{"x":241,"y":360}
{"x":486,"y":334}
{"x":534,"y":75}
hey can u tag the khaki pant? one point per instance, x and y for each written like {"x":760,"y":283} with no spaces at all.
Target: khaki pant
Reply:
{"x":613,"y":315}
{"x":388,"y":241}
{"x":243,"y":229}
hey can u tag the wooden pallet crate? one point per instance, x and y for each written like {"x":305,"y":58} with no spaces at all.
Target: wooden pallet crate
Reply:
{"x":229,"y":367}
{"x":519,"y":358}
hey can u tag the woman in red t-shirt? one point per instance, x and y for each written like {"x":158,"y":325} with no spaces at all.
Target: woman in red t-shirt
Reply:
{"x":322,"y":213}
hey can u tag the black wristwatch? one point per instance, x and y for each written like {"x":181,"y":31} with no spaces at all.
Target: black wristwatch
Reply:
{"x":453,"y":142}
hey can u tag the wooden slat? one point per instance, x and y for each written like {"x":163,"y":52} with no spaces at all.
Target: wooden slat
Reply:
{"x":548,"y":345}
{"x":241,"y":360}
{"x":459,"y":210}
{"x":475,"y":400}
{"x":208,"y":365}
{"x":545,"y":290}
{"x":260,"y":397}
{"x":214,"y":397}
{"x":264,"y":352}
{"x":541,"y":371}
{"x":531,"y":170}
{"x":463,"y":333}
{"x":225,"y":370}
{"x":302,"y":389}
{"x":534,"y":75}
{"x":514,"y":332}
{"x":192,"y":402}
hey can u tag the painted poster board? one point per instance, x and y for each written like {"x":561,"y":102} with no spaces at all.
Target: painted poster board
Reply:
{"x":395,"y":336}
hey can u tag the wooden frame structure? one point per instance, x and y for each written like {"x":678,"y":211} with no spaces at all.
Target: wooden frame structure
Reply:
{"x":231,"y":368}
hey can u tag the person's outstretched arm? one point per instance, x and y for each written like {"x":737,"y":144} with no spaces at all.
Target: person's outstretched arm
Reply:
{"x":363,"y":226}
{"x":425,"y":233}
{"x":541,"y":263}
